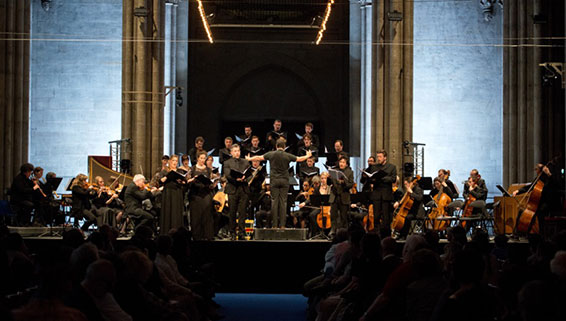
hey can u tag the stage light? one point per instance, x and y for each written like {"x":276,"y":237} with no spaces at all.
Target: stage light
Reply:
{"x":204,"y":21}
{"x":324,"y":21}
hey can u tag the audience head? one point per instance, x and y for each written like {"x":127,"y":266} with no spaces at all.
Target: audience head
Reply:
{"x":412,"y":244}
{"x":558,"y":265}
{"x":164,"y":244}
{"x":426,"y":263}
{"x":389,"y":246}
{"x":73,"y":238}
{"x":136,"y":266}
{"x":468,"y":267}
{"x":100,"y":278}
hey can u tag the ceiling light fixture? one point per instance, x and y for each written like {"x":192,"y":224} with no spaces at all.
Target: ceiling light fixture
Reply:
{"x":204,"y":21}
{"x":324,"y":21}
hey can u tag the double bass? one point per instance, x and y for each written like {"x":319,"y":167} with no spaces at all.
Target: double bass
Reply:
{"x":405,"y":206}
{"x":531,"y":206}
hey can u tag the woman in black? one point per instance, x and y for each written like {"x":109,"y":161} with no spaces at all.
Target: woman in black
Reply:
{"x":172,"y":207}
{"x":82,"y":194}
{"x":200,"y":200}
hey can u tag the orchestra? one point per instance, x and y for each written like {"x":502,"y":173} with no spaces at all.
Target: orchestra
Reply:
{"x":255,"y":182}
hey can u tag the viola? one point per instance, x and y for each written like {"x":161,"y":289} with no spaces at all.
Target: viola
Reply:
{"x":405,"y":206}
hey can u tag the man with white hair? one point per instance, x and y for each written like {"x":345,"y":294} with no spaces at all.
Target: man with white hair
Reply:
{"x":135,"y":194}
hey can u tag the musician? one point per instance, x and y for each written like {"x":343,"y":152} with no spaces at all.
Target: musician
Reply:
{"x":185,"y":163}
{"x":340,"y":196}
{"x":255,"y":183}
{"x":200,"y":200}
{"x":254,"y":148}
{"x":246,"y":139}
{"x":549,"y":199}
{"x":105,"y":203}
{"x":366,"y":185}
{"x":164,"y":163}
{"x":308,"y":170}
{"x":382,"y":194}
{"x":199,"y":143}
{"x":135,"y":194}
{"x":263,"y":214}
{"x":40,"y":198}
{"x":475,"y":186}
{"x":225,"y":153}
{"x":302,"y":215}
{"x":221,"y":211}
{"x":323,"y":189}
{"x":272,"y":137}
{"x":444,"y":176}
{"x":279,"y":179}
{"x":21,"y":194}
{"x":237,"y":190}
{"x":314,"y":138}
{"x":172,"y":199}
{"x":82,"y":194}
{"x":416,"y":194}
{"x":50,"y":205}
{"x":339,"y":151}
{"x":441,"y":186}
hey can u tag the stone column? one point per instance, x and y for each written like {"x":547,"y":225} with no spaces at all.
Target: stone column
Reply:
{"x":392,"y":108}
{"x":14,"y":88}
{"x":528,"y":107}
{"x":142,"y":77}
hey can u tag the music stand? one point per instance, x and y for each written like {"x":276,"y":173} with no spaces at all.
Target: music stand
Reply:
{"x":319,"y":201}
{"x":503,"y":190}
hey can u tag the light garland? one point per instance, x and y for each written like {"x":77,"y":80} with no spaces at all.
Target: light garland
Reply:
{"x":324,"y":21}
{"x":204,"y":21}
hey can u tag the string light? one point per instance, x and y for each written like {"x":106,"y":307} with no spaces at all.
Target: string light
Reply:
{"x":204,"y":21}
{"x":323,"y":25}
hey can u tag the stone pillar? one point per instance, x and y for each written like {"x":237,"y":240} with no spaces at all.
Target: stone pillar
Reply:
{"x":142,"y":77}
{"x":14,"y":88}
{"x":528,"y":107}
{"x":392,"y":108}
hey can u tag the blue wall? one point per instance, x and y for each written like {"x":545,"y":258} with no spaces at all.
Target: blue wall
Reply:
{"x":458,"y":89}
{"x":75,"y":95}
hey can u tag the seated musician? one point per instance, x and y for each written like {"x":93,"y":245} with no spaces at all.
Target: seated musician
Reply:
{"x":106,"y":203}
{"x":221,"y":214}
{"x":199,"y":143}
{"x":272,"y":137}
{"x":51,"y":206}
{"x":40,"y":198}
{"x":440,"y":186}
{"x":82,"y":195}
{"x":314,"y":138}
{"x":550,"y":196}
{"x":475,"y":186}
{"x":340,"y":196}
{"x":323,"y":189}
{"x":444,"y":176}
{"x":308,"y":170}
{"x":416,"y":194}
{"x":255,"y":183}
{"x":21,"y":194}
{"x":224,"y":153}
{"x":263,"y":213}
{"x":301,"y":216}
{"x":135,"y":194}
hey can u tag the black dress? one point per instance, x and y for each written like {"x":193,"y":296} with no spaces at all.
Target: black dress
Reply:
{"x":200,"y":205}
{"x":172,"y":207}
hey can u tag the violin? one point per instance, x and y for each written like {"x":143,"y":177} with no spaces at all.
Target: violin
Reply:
{"x":405,"y":206}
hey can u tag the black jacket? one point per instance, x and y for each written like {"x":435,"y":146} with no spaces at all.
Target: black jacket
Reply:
{"x":239,"y":164}
{"x":341,"y":191}
{"x":383,"y":187}
{"x":134,"y":197}
{"x":21,"y":190}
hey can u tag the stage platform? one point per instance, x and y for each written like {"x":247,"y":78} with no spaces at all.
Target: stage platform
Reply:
{"x":255,"y":266}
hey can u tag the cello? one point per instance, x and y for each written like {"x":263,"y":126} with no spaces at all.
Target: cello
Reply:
{"x":441,"y":200}
{"x":530,"y":209}
{"x":468,"y":209}
{"x":405,"y":206}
